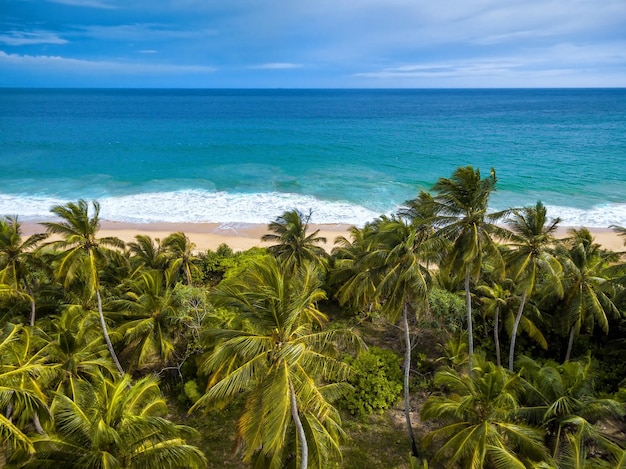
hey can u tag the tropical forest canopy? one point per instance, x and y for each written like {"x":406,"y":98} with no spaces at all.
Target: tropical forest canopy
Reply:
{"x":480,"y":339}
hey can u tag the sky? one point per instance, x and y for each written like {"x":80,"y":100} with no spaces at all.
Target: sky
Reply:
{"x":313,"y":43}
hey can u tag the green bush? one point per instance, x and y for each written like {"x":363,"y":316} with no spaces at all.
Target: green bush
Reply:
{"x":376,"y":382}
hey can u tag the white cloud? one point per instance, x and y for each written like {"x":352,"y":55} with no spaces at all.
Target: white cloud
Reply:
{"x":86,"y":4}
{"x":50,"y":63}
{"x":22,"y":38}
{"x":276,"y":66}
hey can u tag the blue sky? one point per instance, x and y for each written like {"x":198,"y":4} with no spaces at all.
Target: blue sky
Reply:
{"x":313,"y":43}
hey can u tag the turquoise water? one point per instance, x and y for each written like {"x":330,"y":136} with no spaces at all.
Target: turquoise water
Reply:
{"x":349,"y":155}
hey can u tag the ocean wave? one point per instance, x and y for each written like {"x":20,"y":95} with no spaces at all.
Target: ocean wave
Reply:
{"x":197,"y":206}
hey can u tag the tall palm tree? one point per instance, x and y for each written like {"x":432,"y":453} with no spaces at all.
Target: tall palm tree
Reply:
{"x":16,"y":258}
{"x":109,"y":424}
{"x":277,"y":360}
{"x":152,"y":320}
{"x":531,"y":258}
{"x":586,"y":299}
{"x":392,"y":274}
{"x":82,"y":250}
{"x":460,"y":204}
{"x":180,"y":251}
{"x":497,"y":298}
{"x":294,"y":245}
{"x":480,"y":428}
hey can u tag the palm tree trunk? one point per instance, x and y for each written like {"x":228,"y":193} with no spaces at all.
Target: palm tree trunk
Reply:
{"x":518,"y":318}
{"x":304,"y":449}
{"x":32,"y":303}
{"x":407,"y":370}
{"x":496,"y":334}
{"x":188,"y":274}
{"x":107,"y":339}
{"x":470,"y":332}
{"x":570,"y":343}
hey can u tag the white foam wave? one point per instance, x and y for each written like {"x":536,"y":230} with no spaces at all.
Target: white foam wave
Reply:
{"x":197,"y":206}
{"x":600,"y":216}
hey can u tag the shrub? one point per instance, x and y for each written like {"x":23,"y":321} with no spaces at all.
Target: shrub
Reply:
{"x":376,"y":382}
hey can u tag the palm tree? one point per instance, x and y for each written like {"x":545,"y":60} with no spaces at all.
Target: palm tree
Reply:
{"x":152,"y":319}
{"x":294,"y":246}
{"x":277,"y":360}
{"x":16,"y":255}
{"x":531,"y":258}
{"x":497,"y":298}
{"x":76,"y":351}
{"x":460,"y":205}
{"x":563,"y":400}
{"x":479,"y":420}
{"x":146,"y":252}
{"x":83,"y":250}
{"x":22,"y":372}
{"x":586,"y":300}
{"x":180,"y":251}
{"x":114,"y":424}
{"x":392,"y":274}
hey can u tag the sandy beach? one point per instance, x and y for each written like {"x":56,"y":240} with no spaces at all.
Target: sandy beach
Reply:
{"x":242,"y":236}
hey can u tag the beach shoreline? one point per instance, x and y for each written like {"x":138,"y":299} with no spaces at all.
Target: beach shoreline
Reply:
{"x":244,"y":236}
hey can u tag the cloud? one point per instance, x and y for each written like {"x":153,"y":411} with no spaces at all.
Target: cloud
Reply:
{"x":143,"y":32}
{"x":86,"y":4}
{"x":50,"y":63}
{"x":21,"y":38}
{"x":276,"y":66}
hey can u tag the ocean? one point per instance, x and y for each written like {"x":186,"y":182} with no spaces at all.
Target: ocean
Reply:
{"x":246,"y":156}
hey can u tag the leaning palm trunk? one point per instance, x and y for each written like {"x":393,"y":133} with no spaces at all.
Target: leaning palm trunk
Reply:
{"x":304,"y":449}
{"x":470,"y":332}
{"x":496,"y":334}
{"x":407,"y":370}
{"x":106,"y":334}
{"x":518,"y":318}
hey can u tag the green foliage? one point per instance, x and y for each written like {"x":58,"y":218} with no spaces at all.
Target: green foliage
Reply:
{"x":447,"y":310}
{"x":191,"y":391}
{"x":376,"y":382}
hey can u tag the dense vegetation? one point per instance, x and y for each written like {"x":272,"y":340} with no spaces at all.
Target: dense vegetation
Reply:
{"x":151,"y":354}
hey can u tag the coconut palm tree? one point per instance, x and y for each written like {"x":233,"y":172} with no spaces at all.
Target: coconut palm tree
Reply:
{"x":16,"y":258}
{"x":113,"y":424}
{"x":531,"y":258}
{"x":152,"y":320}
{"x":478,"y":415}
{"x":563,"y":401}
{"x":148,"y":253}
{"x":277,"y":362}
{"x":180,"y":252}
{"x":22,"y":379}
{"x":82,"y":250}
{"x":76,"y":351}
{"x":294,"y":245}
{"x":460,"y":204}
{"x":497,"y":298}
{"x":392,"y":274}
{"x":586,"y":299}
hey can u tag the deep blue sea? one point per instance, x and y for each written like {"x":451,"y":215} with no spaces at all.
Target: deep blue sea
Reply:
{"x":246,"y":156}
